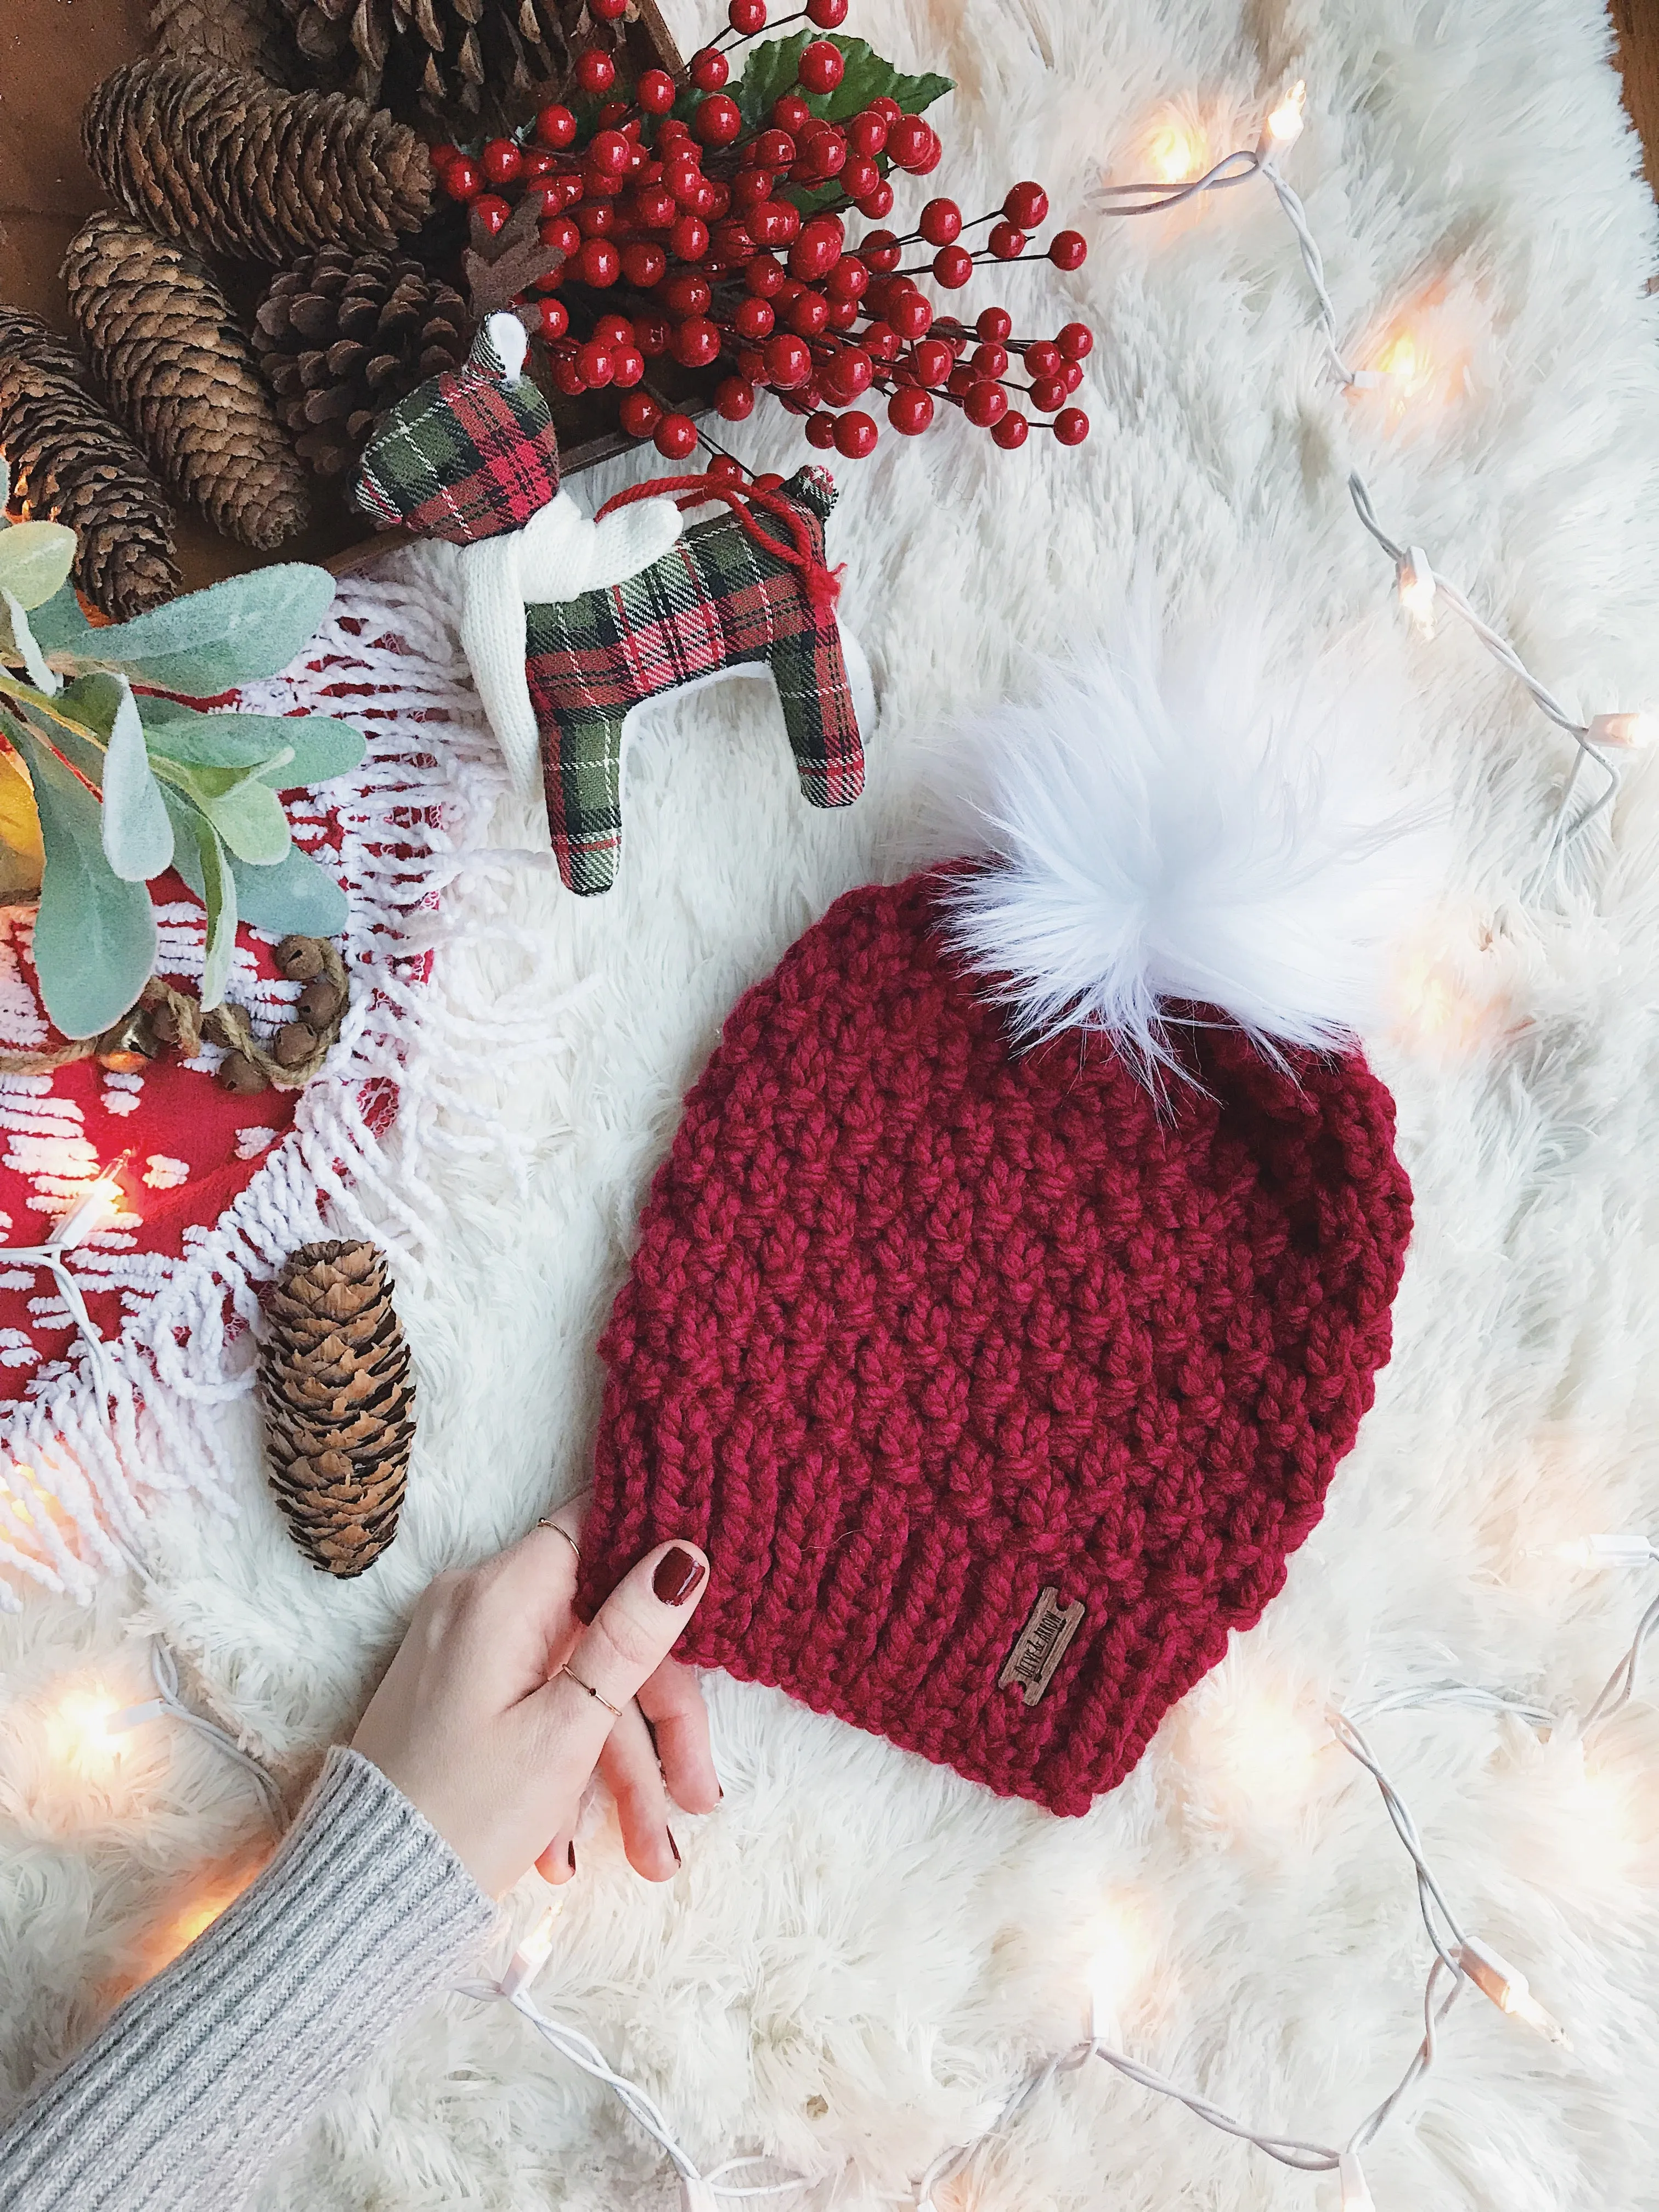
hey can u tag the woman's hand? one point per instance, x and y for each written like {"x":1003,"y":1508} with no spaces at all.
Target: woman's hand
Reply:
{"x":479,"y":1724}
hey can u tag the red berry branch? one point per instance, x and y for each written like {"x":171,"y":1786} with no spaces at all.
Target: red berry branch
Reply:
{"x":700,"y":225}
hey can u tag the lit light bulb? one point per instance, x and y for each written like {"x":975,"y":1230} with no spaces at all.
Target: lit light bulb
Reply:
{"x":80,"y":1734}
{"x":94,"y":1209}
{"x":1629,"y":732}
{"x":1416,"y":589}
{"x":532,"y":1953}
{"x":1507,"y":1987}
{"x":1116,"y":1947}
{"x":1177,"y":153}
{"x":1284,"y":124}
{"x":1356,"y":2191}
{"x":1261,"y":1751}
{"x":1616,"y":1548}
{"x":193,"y":1919}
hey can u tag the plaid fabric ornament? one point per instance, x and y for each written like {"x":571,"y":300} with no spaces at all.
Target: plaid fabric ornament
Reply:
{"x":728,"y":595}
{"x":471,"y":455}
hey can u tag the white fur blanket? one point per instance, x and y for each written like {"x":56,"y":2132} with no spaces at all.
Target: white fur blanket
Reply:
{"x":864,"y":1955}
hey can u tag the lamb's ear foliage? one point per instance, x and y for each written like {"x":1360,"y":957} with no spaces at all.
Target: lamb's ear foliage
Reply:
{"x":103,"y":785}
{"x":1174,"y":819}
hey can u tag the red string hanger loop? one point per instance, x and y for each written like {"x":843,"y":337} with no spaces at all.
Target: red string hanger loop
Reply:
{"x":821,"y":583}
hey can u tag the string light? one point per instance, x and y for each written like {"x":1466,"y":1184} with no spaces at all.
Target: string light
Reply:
{"x":92,"y":1212}
{"x":1506,"y":1986}
{"x":1416,"y":589}
{"x":1284,"y":125}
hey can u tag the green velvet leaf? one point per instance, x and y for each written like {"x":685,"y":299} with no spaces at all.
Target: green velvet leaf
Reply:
{"x":137,"y":835}
{"x":293,"y":894}
{"x":35,"y":561}
{"x":206,"y":643}
{"x":317,"y":747}
{"x":219,"y":888}
{"x":246,"y":813}
{"x":95,"y":935}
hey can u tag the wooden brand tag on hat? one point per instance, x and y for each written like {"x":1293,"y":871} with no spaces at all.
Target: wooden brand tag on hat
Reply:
{"x":1041,"y":1645}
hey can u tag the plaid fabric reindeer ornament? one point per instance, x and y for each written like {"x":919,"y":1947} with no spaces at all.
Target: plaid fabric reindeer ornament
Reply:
{"x":569,"y":625}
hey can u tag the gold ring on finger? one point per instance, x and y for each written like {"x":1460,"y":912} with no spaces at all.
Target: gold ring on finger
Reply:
{"x":592,"y":1691}
{"x":559,"y":1529}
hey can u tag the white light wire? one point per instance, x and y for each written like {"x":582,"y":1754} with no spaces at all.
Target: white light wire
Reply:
{"x":164,"y":1671}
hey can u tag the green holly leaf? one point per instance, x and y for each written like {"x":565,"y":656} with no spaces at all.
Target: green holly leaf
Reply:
{"x":205,"y":643}
{"x":770,"y":72}
{"x":35,"y":561}
{"x":291,"y":750}
{"x":95,"y":935}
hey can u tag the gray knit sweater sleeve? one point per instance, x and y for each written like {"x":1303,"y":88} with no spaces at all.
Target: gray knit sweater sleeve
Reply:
{"x":196,"y":2079}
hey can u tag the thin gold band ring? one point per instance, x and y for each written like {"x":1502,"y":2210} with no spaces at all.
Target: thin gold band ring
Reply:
{"x":559,"y":1529}
{"x":592,"y":1693}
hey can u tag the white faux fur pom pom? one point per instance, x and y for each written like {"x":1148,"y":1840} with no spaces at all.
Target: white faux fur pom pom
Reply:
{"x":1176,"y":820}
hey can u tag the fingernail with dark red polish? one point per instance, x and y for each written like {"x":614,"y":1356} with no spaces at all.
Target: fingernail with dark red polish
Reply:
{"x":674,"y":1847}
{"x":677,"y":1575}
{"x":573,"y":1858}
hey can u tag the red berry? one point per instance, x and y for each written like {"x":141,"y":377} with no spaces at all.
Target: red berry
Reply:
{"x":909,"y":140}
{"x":1071,"y":426}
{"x":608,"y":11}
{"x":696,"y":343}
{"x":877,"y":205}
{"x":1005,"y":242}
{"x":613,"y":330}
{"x":932,"y":360}
{"x":1047,"y":394}
{"x":652,"y":335}
{"x":556,"y":126}
{"x":911,"y":315}
{"x":773,"y":222}
{"x":856,"y":435}
{"x":688,"y":239}
{"x":1011,"y":431}
{"x":774,"y":150}
{"x":686,"y":293}
{"x":1026,"y":206}
{"x":753,"y":319}
{"x":555,"y":317}
{"x":821,"y":432}
{"x":821,"y":153}
{"x":764,"y":277}
{"x":866,"y":133}
{"x":567,"y":377}
{"x":941,"y":222}
{"x":726,"y":467}
{"x":560,"y":235}
{"x":718,"y":119}
{"x":953,"y":266}
{"x":501,"y":161}
{"x":817,"y":250}
{"x":1069,"y":249}
{"x":849,"y":280}
{"x":788,"y":361}
{"x":880,"y":251}
{"x":598,"y":262}
{"x":990,"y":360}
{"x":821,"y":67}
{"x":886,"y":107}
{"x":670,"y":131}
{"x":613,"y":113}
{"x":849,"y":372}
{"x":843,"y":313}
{"x":640,"y":414}
{"x":995,"y":323}
{"x":595,"y":72}
{"x":709,"y":69}
{"x":627,"y":366}
{"x":807,"y":314}
{"x":931,"y":157}
{"x":655,"y":92}
{"x":675,"y":436}
{"x":910,"y":411}
{"x":746,"y":16}
{"x":492,"y":211}
{"x":1043,"y":359}
{"x":596,"y":363}
{"x":442,"y":154}
{"x":463,"y":179}
{"x":643,"y":263}
{"x":595,"y":218}
{"x":881,"y":342}
{"x":790,"y":112}
{"x":751,"y":188}
{"x":1071,"y":374}
{"x":608,"y":152}
{"x":860,"y":177}
{"x":734,"y":396}
{"x":986,"y":403}
{"x":540,"y":163}
{"x":827,"y":15}
{"x":1076,"y":341}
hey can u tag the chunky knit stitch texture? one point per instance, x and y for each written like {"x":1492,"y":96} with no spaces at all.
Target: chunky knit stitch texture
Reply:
{"x":921,"y":1323}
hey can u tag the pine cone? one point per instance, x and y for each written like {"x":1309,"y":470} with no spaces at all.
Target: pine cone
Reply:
{"x":339,"y":1403}
{"x":218,"y":158}
{"x":72,"y":464}
{"x":343,"y":337}
{"x":241,"y":34}
{"x":165,"y":345}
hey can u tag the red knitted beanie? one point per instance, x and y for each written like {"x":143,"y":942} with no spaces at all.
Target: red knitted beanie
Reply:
{"x":997,"y":1382}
